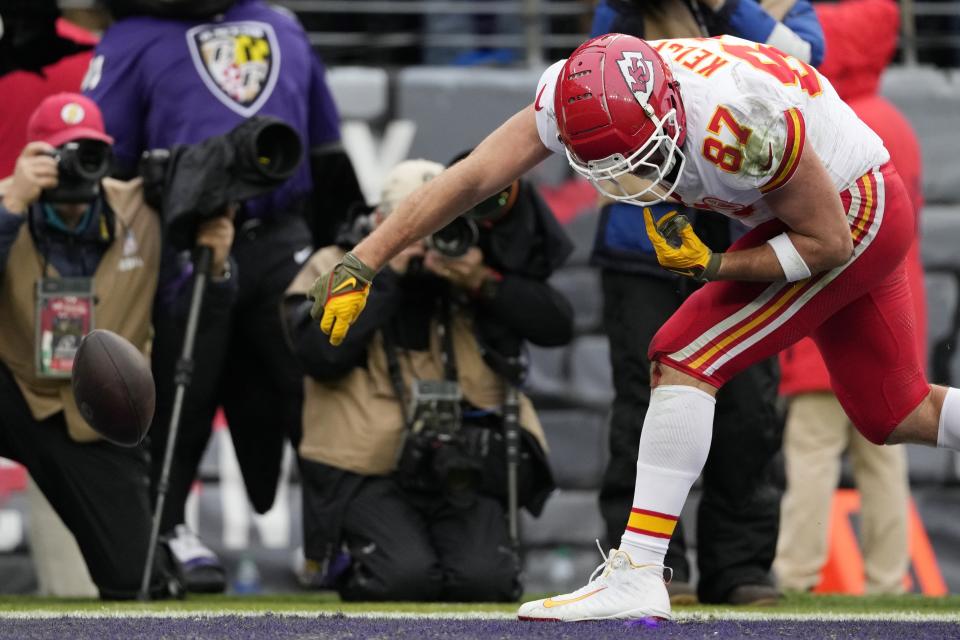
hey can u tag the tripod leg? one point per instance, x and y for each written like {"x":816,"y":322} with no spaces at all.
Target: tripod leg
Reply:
{"x":202,"y":262}
{"x":511,"y":435}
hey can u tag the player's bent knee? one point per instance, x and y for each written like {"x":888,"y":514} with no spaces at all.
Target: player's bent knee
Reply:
{"x":881,"y":423}
{"x":922,"y":424}
{"x":875,"y":426}
{"x":665,"y":375}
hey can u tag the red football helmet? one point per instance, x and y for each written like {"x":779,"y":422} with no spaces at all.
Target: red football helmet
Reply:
{"x":619,"y":112}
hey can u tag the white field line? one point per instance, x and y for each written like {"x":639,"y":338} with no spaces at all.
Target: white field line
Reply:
{"x":752,"y":616}
{"x":217,"y":613}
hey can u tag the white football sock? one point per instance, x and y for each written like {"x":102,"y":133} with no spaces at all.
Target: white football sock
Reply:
{"x":948,"y":437}
{"x":674,"y":445}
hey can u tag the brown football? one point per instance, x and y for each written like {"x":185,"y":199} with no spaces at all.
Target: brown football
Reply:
{"x":113,"y":386}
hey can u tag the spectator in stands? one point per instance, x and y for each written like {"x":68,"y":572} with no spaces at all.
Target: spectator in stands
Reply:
{"x":739,"y":512}
{"x":64,"y":232}
{"x":861,"y":38}
{"x":366,"y":35}
{"x":469,"y":26}
{"x":419,"y":513}
{"x":179,"y":72}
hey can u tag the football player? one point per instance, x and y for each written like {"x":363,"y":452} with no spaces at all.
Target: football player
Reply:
{"x":738,"y":128}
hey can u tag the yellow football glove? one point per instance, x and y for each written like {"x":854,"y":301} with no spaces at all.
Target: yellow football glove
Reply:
{"x":340,"y":295}
{"x":678,"y":247}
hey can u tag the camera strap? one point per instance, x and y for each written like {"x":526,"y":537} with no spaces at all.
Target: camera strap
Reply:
{"x":447,"y":356}
{"x":393,"y":369}
{"x":695,"y":10}
{"x":445,"y":328}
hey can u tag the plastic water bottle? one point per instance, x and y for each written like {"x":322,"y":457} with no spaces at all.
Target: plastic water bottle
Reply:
{"x":247,"y":581}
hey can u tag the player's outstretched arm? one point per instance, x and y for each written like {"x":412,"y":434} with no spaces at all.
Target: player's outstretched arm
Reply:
{"x":506,"y":154}
{"x":340,"y":295}
{"x":810,"y":206}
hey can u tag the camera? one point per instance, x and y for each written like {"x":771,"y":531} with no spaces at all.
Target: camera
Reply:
{"x":435,"y":408}
{"x":433,"y":455}
{"x":193,"y":183}
{"x":81,"y":165}
{"x":455,"y":239}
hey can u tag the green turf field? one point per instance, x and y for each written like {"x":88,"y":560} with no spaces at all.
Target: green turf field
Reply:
{"x":802,"y":605}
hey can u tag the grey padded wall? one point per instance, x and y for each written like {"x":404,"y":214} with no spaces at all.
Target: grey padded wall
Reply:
{"x":458,"y":107}
{"x":360,"y":93}
{"x":940,"y":228}
{"x":930,"y":98}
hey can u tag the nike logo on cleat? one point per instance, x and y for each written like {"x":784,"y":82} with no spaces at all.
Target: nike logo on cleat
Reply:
{"x":550,"y":603}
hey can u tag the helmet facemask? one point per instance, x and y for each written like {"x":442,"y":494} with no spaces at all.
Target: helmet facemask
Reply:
{"x":647,"y":176}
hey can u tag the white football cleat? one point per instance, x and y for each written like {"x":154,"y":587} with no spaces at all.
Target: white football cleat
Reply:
{"x":623,"y":590}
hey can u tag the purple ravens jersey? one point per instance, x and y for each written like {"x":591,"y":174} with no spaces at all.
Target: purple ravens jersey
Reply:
{"x":165,"y":82}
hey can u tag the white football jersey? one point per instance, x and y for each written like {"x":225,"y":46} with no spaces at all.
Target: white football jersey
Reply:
{"x":751,"y":110}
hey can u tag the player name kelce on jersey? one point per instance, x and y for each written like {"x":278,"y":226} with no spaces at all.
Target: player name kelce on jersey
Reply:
{"x":751,"y":111}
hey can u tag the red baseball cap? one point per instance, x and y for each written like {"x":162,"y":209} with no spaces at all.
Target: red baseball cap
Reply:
{"x":64,"y":117}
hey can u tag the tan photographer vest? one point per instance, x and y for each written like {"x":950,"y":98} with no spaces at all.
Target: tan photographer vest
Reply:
{"x":124,"y":284}
{"x":355,"y":423}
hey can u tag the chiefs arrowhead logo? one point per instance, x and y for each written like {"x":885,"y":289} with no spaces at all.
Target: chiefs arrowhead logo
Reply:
{"x":638,"y":74}
{"x":238,"y":61}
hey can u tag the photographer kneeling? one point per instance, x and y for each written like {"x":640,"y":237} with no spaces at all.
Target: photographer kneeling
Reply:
{"x":79,"y":251}
{"x":403,"y":458}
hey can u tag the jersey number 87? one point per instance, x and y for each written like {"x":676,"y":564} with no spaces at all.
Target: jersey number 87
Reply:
{"x":728,"y":157}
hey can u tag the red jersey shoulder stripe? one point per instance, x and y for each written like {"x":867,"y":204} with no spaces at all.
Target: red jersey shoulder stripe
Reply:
{"x":793,"y":149}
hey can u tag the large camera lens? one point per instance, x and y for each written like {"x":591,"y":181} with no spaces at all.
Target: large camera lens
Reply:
{"x":81,"y":165}
{"x":275,"y":150}
{"x":455,"y":239}
{"x":85,"y":159}
{"x":458,"y":474}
